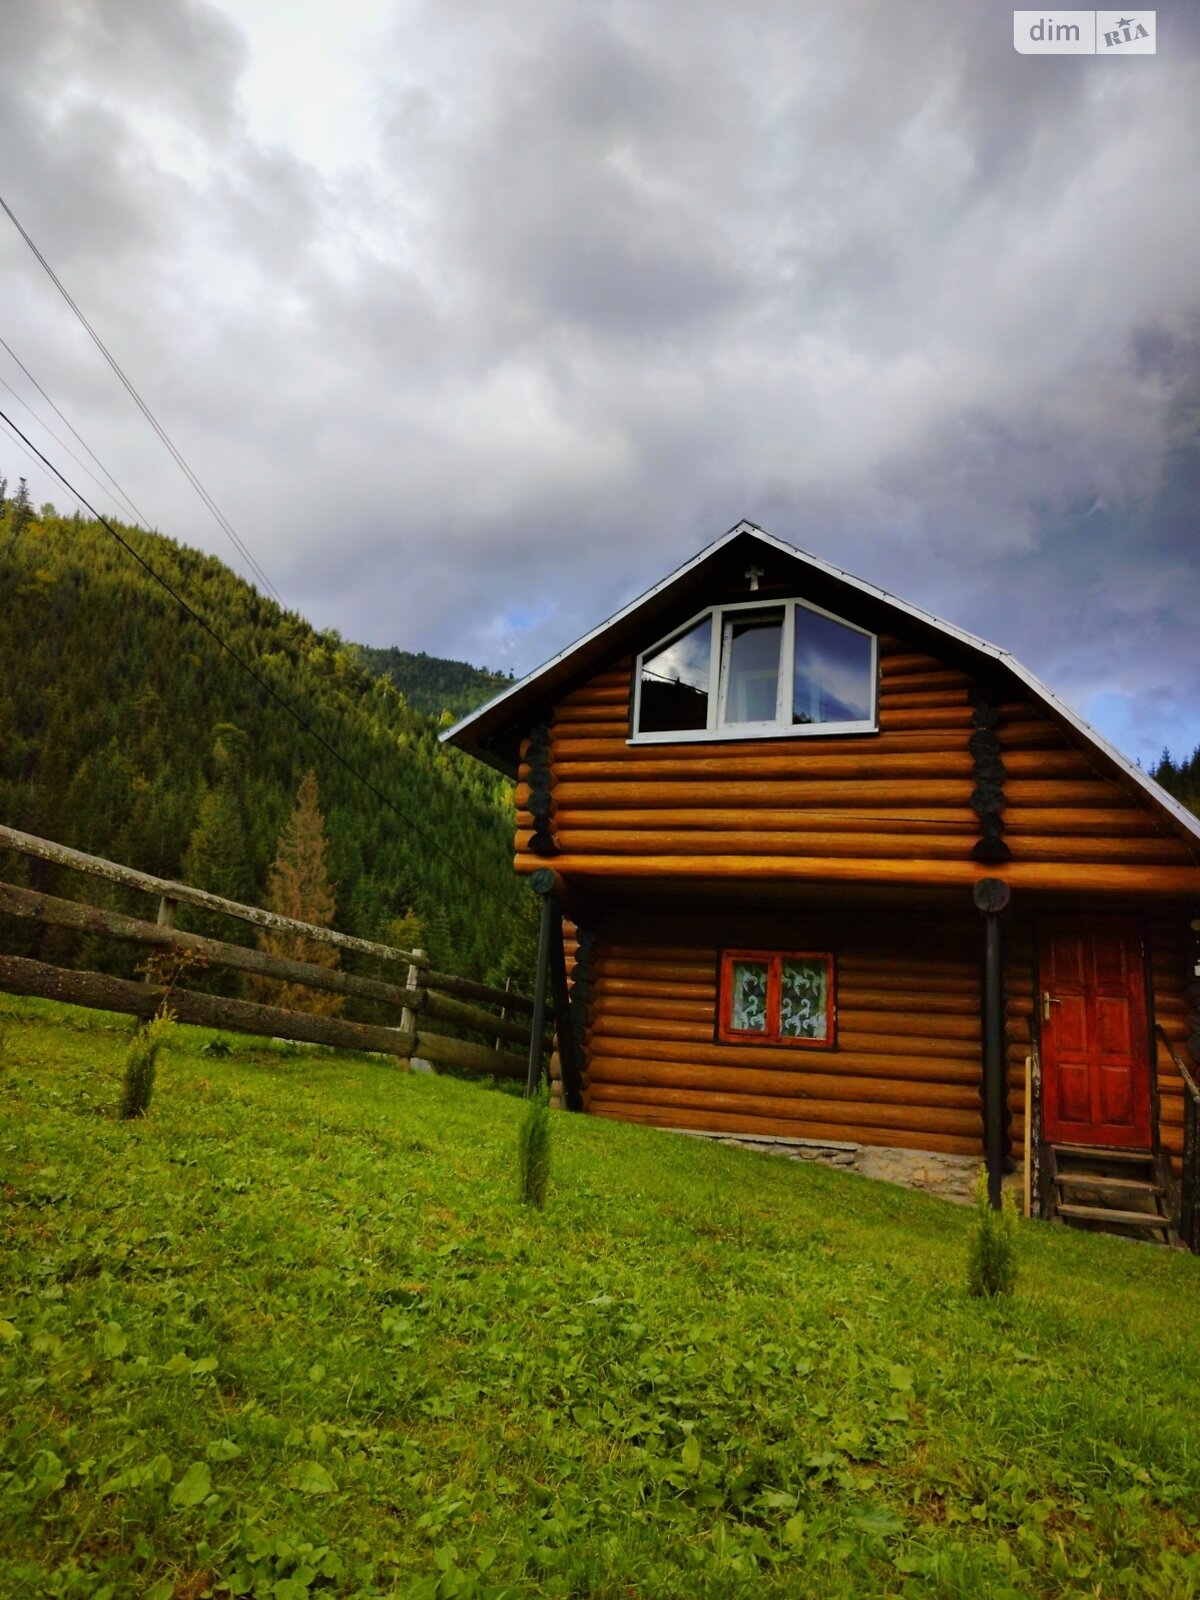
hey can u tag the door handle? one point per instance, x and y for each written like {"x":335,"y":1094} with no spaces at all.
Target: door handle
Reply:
{"x":1047,"y":1002}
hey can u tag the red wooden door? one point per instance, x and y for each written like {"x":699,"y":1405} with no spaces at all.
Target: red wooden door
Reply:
{"x":1095,"y":1040}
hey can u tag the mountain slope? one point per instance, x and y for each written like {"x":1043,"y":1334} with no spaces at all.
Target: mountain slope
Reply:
{"x":125,"y":730}
{"x":430,"y":683}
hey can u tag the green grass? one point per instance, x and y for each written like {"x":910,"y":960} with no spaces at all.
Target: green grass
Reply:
{"x":294,"y":1334}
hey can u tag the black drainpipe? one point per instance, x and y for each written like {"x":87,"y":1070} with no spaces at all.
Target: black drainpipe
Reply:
{"x":991,"y":897}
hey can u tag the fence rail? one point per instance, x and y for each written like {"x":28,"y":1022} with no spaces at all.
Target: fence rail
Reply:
{"x":460,"y":1004}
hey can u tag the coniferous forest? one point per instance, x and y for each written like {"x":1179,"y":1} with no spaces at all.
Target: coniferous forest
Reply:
{"x":126,"y":731}
{"x":431,"y":684}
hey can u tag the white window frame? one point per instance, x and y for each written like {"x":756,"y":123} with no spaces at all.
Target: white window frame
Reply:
{"x":781,"y":727}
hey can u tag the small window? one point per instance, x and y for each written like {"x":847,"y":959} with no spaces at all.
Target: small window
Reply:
{"x":764,"y":669}
{"x":769,"y":997}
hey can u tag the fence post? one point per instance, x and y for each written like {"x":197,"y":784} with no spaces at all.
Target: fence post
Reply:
{"x":166,"y":912}
{"x":503,"y":1009}
{"x":408,"y":1015}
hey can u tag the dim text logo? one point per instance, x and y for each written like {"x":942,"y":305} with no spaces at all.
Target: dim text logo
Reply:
{"x":1084,"y":33}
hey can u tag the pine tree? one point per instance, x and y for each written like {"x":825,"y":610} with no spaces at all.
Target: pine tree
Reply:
{"x":299,"y":887}
{"x":22,"y":508}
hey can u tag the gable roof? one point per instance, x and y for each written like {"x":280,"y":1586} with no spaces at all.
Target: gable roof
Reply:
{"x":494,"y":731}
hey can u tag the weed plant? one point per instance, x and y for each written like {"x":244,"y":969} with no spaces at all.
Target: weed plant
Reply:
{"x":141,"y":1062}
{"x":533,"y":1148}
{"x":992,"y":1245}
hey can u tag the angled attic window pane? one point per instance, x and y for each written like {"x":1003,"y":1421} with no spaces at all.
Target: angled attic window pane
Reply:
{"x":675,"y":683}
{"x":832,"y":676}
{"x":751,"y":646}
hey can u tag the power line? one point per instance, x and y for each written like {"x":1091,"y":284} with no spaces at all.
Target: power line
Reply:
{"x":222,"y":520}
{"x":246,"y":667}
{"x":138,"y":516}
{"x":81,"y":464}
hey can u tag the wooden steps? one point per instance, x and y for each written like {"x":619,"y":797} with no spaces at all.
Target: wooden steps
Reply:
{"x":1111,"y":1217}
{"x":1110,"y":1191}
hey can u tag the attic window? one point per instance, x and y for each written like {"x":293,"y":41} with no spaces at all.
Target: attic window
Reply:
{"x":761,"y":669}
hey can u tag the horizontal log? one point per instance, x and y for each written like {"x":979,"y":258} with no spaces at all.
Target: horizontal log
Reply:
{"x":607,"y":1024}
{"x":597,"y":691}
{"x":896,"y":658}
{"x":722,"y":1123}
{"x":625,"y":943}
{"x":918,"y":820}
{"x":901,"y":696}
{"x":770,"y":793}
{"x":1089,"y":877}
{"x":941,"y":717}
{"x":580,"y":715}
{"x":674,"y":1009}
{"x":774,"y":759}
{"x":702,"y":970}
{"x":950,"y":1115}
{"x":844,"y":1113}
{"x":745,"y":841}
{"x":1096,"y":820}
{"x":101,"y":992}
{"x":913,"y":1002}
{"x":1075,"y":792}
{"x":60,"y":855}
{"x":1077,"y":847}
{"x":587,"y":745}
{"x":467,"y":1057}
{"x":784,"y":759}
{"x":933,"y":959}
{"x":651,"y":988}
{"x":34,"y":906}
{"x":912,"y":1031}
{"x":893,"y":798}
{"x":441,"y":1008}
{"x":771,"y":1081}
{"x":763,"y":1057}
{"x":922,"y":676}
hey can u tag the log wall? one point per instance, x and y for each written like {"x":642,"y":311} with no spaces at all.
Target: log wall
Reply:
{"x":906,"y":1069}
{"x":904,"y":1072}
{"x":896,"y":805}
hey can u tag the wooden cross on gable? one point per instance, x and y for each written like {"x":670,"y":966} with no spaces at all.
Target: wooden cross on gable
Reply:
{"x":754,"y":574}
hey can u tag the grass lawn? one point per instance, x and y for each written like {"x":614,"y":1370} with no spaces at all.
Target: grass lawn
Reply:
{"x":293,"y":1335}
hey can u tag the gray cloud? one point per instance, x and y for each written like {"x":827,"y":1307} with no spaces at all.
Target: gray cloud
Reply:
{"x":589,"y":284}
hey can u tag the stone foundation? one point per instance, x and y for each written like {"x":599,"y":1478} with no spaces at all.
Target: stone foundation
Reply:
{"x":951,"y":1177}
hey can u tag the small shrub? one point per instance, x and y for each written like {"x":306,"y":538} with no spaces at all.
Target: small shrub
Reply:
{"x":992,"y":1249}
{"x":141,"y":1060}
{"x":533,"y":1148}
{"x":217,"y":1047}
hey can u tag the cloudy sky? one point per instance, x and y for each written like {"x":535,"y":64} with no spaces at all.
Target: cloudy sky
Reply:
{"x":477,"y":319}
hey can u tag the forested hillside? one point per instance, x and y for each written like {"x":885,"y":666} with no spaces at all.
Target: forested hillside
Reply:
{"x":1181,"y":778}
{"x":126,"y":731}
{"x":431,"y":684}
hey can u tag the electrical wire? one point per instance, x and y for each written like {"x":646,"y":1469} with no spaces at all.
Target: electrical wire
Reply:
{"x":137,"y":515}
{"x":286,"y":705}
{"x":221,"y":519}
{"x":82,"y":465}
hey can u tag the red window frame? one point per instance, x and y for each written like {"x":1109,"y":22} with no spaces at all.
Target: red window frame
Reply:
{"x":773,"y":961}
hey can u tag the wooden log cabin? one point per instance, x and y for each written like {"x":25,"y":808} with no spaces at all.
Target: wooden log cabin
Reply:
{"x":822,"y":869}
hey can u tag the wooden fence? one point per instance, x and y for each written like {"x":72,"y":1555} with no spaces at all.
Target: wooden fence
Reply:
{"x":423,"y":997}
